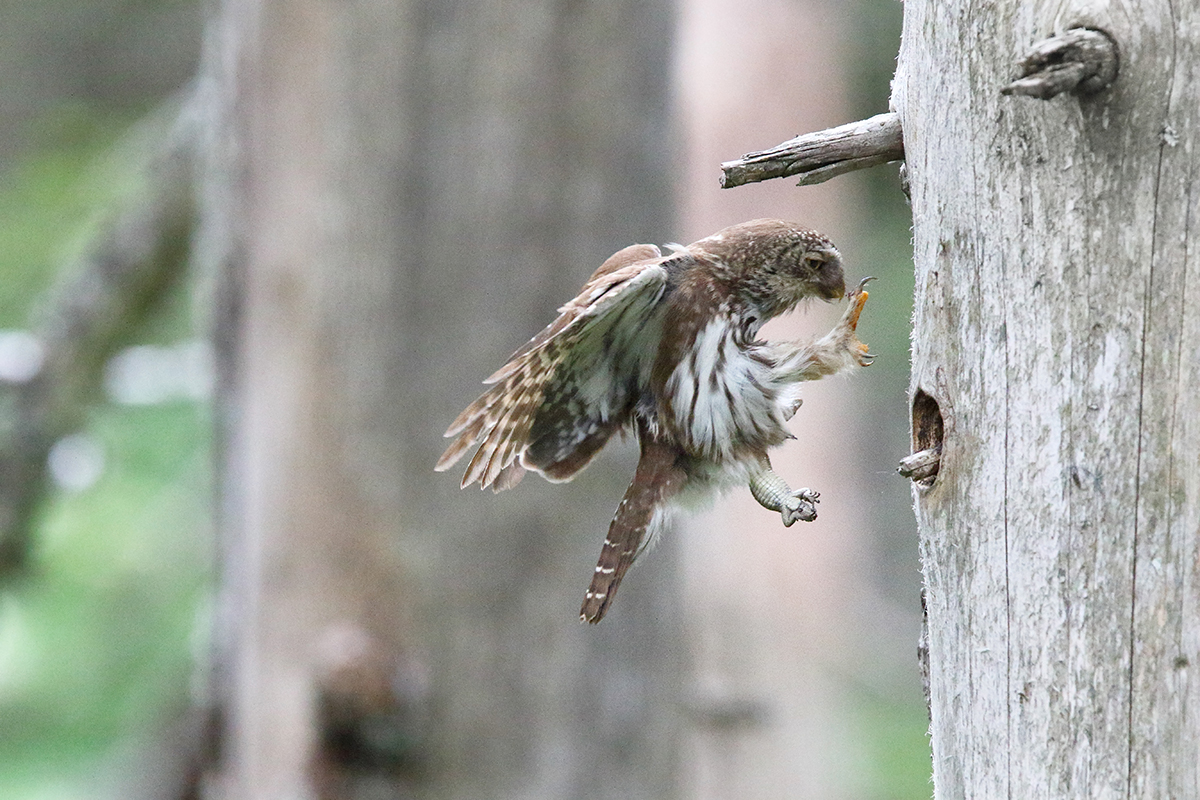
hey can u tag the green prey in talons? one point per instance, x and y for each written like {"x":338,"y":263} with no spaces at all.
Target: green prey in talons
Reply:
{"x":773,"y":494}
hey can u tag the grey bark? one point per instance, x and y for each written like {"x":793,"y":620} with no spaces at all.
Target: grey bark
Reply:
{"x":402,"y":193}
{"x":1057,"y":308}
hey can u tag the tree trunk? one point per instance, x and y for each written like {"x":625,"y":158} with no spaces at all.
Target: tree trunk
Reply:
{"x":403,"y":193}
{"x":1057,"y":307}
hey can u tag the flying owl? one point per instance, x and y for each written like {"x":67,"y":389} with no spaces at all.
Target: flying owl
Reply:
{"x":666,"y":345}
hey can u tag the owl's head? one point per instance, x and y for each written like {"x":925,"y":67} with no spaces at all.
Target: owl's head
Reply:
{"x":775,"y":264}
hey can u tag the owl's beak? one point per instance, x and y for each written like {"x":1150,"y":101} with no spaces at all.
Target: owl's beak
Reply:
{"x":831,"y":280}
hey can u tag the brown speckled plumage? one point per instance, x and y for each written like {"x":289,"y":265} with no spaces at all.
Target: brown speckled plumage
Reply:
{"x":665,"y":345}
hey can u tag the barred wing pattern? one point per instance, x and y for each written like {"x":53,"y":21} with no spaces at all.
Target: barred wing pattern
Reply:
{"x":559,"y":398}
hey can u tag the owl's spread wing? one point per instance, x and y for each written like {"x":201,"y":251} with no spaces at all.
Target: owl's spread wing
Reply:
{"x":559,"y":398}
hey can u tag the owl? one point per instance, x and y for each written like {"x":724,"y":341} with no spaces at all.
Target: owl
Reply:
{"x":665,"y":345}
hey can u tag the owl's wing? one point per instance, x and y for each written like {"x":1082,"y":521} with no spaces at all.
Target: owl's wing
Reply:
{"x":559,"y":398}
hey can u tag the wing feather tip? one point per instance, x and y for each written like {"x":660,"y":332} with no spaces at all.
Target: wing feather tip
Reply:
{"x":509,"y":477}
{"x":446,"y":461}
{"x":453,"y":453}
{"x":458,"y":426}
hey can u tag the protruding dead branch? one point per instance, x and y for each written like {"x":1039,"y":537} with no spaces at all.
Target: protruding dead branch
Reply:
{"x":1082,"y":60}
{"x":817,"y":157}
{"x":125,"y":269}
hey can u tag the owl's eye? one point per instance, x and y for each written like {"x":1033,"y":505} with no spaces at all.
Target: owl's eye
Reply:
{"x":815,"y":261}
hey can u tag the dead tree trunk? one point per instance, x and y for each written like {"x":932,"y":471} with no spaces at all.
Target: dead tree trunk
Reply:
{"x":1057,"y":314}
{"x":402,"y":193}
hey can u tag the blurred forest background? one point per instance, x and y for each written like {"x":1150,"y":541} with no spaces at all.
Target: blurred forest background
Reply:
{"x":798,"y":647}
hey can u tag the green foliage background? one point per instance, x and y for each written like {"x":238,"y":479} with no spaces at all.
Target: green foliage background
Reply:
{"x":97,"y":637}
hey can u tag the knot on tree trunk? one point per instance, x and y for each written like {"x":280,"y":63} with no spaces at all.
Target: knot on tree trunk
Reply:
{"x":1081,"y":60}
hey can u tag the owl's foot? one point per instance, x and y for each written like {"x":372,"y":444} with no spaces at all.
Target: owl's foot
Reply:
{"x":800,"y":505}
{"x":773,"y":494}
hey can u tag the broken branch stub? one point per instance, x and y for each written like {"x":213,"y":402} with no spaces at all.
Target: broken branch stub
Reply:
{"x":922,"y":464}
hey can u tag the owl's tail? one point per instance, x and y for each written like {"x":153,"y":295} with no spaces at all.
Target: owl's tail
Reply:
{"x":659,"y":476}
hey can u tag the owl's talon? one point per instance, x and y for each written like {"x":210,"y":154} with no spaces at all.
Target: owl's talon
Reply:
{"x":800,"y":505}
{"x":861,"y":285}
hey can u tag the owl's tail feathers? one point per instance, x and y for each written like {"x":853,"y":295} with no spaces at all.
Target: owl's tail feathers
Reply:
{"x":658,"y":477}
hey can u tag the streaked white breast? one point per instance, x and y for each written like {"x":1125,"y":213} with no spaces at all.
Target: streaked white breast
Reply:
{"x":721,"y":396}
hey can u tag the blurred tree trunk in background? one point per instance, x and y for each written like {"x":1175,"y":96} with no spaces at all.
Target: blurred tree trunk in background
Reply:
{"x":400,"y":194}
{"x":804,"y":676}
